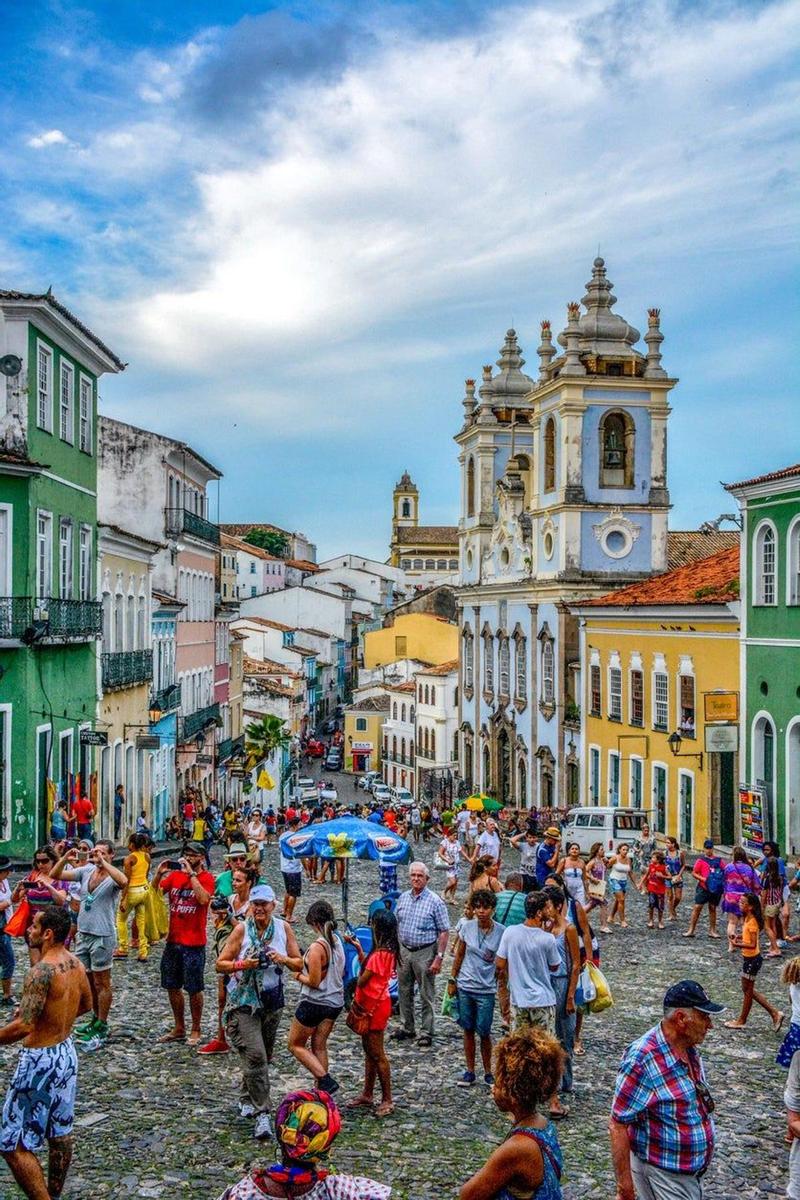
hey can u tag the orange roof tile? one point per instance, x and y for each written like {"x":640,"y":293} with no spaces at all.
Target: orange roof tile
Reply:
{"x":442,"y":669}
{"x":236,"y":543}
{"x":269,"y":624}
{"x":688,"y":545}
{"x":302,"y":564}
{"x":713,"y":580}
{"x":771,"y":477}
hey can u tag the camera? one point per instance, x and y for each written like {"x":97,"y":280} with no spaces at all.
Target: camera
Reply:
{"x":264,"y":961}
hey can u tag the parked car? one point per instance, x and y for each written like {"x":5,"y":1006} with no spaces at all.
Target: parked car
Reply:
{"x":613,"y":827}
{"x":333,"y":762}
{"x":366,"y":781}
{"x":382,"y":793}
{"x":402,"y":796}
{"x":314,"y":748}
{"x":306,"y":788}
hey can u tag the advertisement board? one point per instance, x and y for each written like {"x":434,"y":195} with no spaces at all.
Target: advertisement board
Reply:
{"x":721,"y":706}
{"x":751,"y":807}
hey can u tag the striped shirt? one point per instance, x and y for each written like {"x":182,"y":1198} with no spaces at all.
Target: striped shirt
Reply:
{"x":420,"y":919}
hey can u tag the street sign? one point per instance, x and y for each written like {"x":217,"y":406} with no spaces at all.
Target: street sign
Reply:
{"x":238,"y":772}
{"x":204,"y":760}
{"x":361,"y":747}
{"x":722,"y":739}
{"x":93,"y":737}
{"x":721,"y":706}
{"x":148,"y":741}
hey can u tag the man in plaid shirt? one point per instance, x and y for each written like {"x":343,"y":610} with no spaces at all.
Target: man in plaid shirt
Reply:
{"x":423,"y":926}
{"x":662,"y":1132}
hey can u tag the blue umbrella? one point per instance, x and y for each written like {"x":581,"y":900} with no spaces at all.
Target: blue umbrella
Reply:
{"x":346,"y":838}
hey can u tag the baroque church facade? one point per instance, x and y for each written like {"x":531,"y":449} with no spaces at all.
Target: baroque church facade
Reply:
{"x":563,"y":497}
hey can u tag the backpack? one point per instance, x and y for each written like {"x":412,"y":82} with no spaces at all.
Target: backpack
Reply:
{"x":715,"y":880}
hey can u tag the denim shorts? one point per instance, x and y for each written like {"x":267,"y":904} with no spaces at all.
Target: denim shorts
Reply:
{"x":182,"y":968}
{"x":618,"y":885}
{"x":6,"y":957}
{"x":475,"y":1012}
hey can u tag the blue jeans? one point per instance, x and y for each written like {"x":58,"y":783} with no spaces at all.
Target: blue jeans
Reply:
{"x":475,"y":1012}
{"x":7,"y":963}
{"x":565,"y":1027}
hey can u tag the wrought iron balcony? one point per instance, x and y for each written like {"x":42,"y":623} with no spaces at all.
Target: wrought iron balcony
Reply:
{"x":126,"y":668}
{"x":33,"y":620}
{"x":197,"y":722}
{"x":167,"y":699}
{"x":16,"y":613}
{"x":182,"y":520}
{"x":229,"y":746}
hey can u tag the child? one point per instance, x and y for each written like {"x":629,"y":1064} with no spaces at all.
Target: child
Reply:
{"x":752,"y":961}
{"x":372,"y":994}
{"x":772,"y":899}
{"x":527,"y":1071}
{"x":791,"y":1043}
{"x":655,"y":884}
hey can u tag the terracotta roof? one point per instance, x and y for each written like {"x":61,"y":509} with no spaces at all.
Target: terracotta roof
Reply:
{"x":771,"y":477}
{"x":49,"y":299}
{"x":712,"y":580}
{"x":371,"y":704}
{"x":269,"y":624}
{"x":428,"y":535}
{"x":444,"y":669}
{"x":408,"y":686}
{"x":686,"y":546}
{"x":302,"y":564}
{"x":165,"y":598}
{"x":20,"y":460}
{"x":266,"y":666}
{"x":235,"y":543}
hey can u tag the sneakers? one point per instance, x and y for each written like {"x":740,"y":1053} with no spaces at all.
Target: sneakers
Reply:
{"x":466,"y":1080}
{"x":488,"y":1079}
{"x":215,"y":1046}
{"x":246,"y":1109}
{"x":88,"y":1030}
{"x":263,"y":1130}
{"x":97,"y":1039}
{"x":328,"y":1084}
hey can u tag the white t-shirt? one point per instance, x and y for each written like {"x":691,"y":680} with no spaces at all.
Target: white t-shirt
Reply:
{"x":451,"y":855}
{"x":530,"y":953}
{"x":291,"y":866}
{"x":477,"y":971}
{"x":489,"y":844}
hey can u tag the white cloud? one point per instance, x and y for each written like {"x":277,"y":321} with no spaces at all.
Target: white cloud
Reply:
{"x":52,"y":137}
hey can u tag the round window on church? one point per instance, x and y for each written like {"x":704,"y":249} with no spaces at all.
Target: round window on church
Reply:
{"x":548,"y":544}
{"x":617,"y":543}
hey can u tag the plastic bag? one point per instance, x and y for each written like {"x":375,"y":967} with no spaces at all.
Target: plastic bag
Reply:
{"x":450,"y":1005}
{"x":17,"y":925}
{"x":585,"y":992}
{"x":603,"y":998}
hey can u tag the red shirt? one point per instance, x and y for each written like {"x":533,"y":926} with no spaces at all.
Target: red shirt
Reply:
{"x":188,"y":810}
{"x":390,"y":820}
{"x":83,"y":810}
{"x":656,"y":878}
{"x":187,"y":918}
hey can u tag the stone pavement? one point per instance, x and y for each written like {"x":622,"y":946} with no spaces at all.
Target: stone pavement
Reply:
{"x":160,"y":1121}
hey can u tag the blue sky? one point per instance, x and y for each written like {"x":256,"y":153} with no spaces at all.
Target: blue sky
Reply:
{"x":304,"y":225}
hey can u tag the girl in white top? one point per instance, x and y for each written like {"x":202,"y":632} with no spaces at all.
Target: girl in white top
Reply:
{"x":321,"y":996}
{"x":257,"y":832}
{"x":573,"y":871}
{"x":620,"y":871}
{"x":451,"y":852}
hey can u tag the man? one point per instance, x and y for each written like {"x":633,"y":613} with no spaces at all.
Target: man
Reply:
{"x":253,"y":960}
{"x":488,"y":844}
{"x":119,"y":808}
{"x":423,"y":927}
{"x":7,"y":962}
{"x":510,"y":910}
{"x":40,"y":1101}
{"x":416,"y":821}
{"x":100,"y":884}
{"x":236,"y":859}
{"x":548,"y":854}
{"x":189,"y":890}
{"x":710,"y":879}
{"x":527,"y":844}
{"x":292,"y":871}
{"x":82,"y":813}
{"x":662,"y":1133}
{"x":527,"y":957}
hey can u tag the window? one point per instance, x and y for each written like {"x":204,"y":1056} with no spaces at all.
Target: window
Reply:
{"x":44,"y":555}
{"x":44,"y":379}
{"x":617,"y":434}
{"x":394,"y":711}
{"x":401,"y":647}
{"x":637,"y":698}
{"x":550,"y":455}
{"x":430,"y":564}
{"x":504,"y":666}
{"x":453,"y":564}
{"x":85,"y":415}
{"x":5,"y":551}
{"x":65,"y":558}
{"x":613,"y":778}
{"x":594,"y":774}
{"x":488,"y":663}
{"x":85,"y":586}
{"x":433,"y":694}
{"x":764,"y":561}
{"x":67,"y":391}
{"x":361,"y":724}
{"x":793,"y":563}
{"x":253,"y":590}
{"x":614,"y":694}
{"x":469,"y":660}
{"x":548,"y":669}
{"x":406,"y":510}
{"x":636,"y":782}
{"x":433,"y":744}
{"x":471,"y":487}
{"x":521,"y":671}
{"x":595,"y":693}
{"x":660,"y":700}
{"x":687,"y":721}
{"x":252,"y":567}
{"x":141,"y":626}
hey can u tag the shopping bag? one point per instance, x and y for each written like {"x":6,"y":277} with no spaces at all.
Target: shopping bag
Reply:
{"x":585,"y":992}
{"x":603,"y":998}
{"x":18,"y":924}
{"x":450,"y":1005}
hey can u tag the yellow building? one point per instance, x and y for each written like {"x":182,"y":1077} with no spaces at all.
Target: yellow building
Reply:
{"x":363,"y":733}
{"x":419,"y":636}
{"x":651,"y":655}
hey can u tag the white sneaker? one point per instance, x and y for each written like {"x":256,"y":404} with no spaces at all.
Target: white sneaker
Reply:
{"x":263,"y":1130}
{"x":246,"y":1109}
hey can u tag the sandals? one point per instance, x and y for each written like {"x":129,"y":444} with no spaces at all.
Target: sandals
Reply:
{"x":384,"y":1109}
{"x":172,"y":1036}
{"x":360,"y":1102}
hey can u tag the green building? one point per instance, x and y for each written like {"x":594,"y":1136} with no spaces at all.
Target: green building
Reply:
{"x":770,"y":648}
{"x":50,"y":618}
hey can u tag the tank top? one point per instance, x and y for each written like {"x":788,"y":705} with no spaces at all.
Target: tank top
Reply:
{"x":563,"y":954}
{"x":620,"y":871}
{"x":330,"y":992}
{"x":141,"y":865}
{"x":573,"y":880}
{"x":673,"y":862}
{"x":550,"y":1187}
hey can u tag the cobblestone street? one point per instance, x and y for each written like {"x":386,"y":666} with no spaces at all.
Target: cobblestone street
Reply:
{"x":161,"y":1121}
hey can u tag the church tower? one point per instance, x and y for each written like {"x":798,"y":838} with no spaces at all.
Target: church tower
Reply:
{"x":405,"y":513}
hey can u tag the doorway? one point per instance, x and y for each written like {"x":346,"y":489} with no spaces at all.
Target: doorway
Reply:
{"x":727,"y":799}
{"x":660,"y":798}
{"x":685,"y":809}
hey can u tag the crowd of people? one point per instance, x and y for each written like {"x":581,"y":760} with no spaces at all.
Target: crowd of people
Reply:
{"x":520,"y":945}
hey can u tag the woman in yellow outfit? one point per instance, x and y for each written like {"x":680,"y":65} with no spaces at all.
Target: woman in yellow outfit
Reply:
{"x":135,"y":899}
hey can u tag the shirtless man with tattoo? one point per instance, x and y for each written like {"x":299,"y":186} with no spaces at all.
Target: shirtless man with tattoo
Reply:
{"x":40,"y":1103}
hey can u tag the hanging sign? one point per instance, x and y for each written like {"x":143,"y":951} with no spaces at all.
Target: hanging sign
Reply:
{"x":93,"y":737}
{"x":721,"y":706}
{"x":722,"y":739}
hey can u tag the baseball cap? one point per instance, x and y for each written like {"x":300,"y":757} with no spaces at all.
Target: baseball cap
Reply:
{"x":263,"y":892}
{"x":690,"y":994}
{"x":708,"y":844}
{"x":236,"y":850}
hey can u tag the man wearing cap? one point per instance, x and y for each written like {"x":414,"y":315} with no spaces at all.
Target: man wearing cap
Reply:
{"x":710,"y":881}
{"x":189,"y":890}
{"x":662,"y":1132}
{"x":6,"y":947}
{"x":548,"y":854}
{"x":236,"y":859}
{"x":253,"y":959}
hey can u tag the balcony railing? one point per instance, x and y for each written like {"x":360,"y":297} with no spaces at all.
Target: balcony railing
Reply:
{"x":182,"y":520}
{"x":167,"y":699}
{"x":16,"y":613}
{"x":196,"y":722}
{"x":74,"y":618}
{"x":229,"y":746}
{"x":49,"y":618}
{"x":126,"y":668}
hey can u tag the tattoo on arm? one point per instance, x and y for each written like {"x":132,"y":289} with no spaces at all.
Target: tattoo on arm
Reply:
{"x":34,"y":993}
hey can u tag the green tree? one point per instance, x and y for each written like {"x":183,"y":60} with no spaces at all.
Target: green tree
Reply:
{"x":263,"y":738}
{"x":270,"y":540}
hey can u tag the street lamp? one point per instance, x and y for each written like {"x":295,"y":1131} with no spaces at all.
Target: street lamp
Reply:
{"x":200,"y":741}
{"x":155,"y":714}
{"x":675,"y":741}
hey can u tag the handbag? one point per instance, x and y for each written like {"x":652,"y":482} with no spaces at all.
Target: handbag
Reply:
{"x":597,"y":888}
{"x":358,"y":1018}
{"x":585,"y":992}
{"x":17,"y":925}
{"x":603,"y":998}
{"x":439,"y":862}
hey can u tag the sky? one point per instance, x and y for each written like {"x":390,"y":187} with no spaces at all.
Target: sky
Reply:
{"x":304,"y":225}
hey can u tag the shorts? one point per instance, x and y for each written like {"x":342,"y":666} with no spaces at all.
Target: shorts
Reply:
{"x":6,"y":957}
{"x":311,"y":1015}
{"x":703,"y":896}
{"x":475,"y":1012}
{"x":771,"y":910}
{"x":95,"y":950}
{"x":536,"y":1018}
{"x":85,"y":832}
{"x":182,"y":967}
{"x":617,"y":885}
{"x":293,"y":882}
{"x":751,"y":966}
{"x":655,"y":900}
{"x":40,"y":1101}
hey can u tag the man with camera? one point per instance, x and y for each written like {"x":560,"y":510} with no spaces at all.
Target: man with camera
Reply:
{"x":100,"y":884}
{"x":188,"y":891}
{"x":254,"y":957}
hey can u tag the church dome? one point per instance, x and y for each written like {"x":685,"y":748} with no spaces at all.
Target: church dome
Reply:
{"x":603,"y":332}
{"x":511,"y":380}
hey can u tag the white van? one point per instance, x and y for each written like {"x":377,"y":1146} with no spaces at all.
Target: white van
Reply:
{"x":611,"y":826}
{"x":402,"y":796}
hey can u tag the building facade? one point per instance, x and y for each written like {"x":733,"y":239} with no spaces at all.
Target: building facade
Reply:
{"x":436,"y":733}
{"x":418,"y":636}
{"x":427,"y":554}
{"x":363,"y":733}
{"x":399,"y":751}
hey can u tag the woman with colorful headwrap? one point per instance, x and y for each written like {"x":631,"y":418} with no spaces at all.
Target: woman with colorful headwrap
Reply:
{"x":306,"y":1124}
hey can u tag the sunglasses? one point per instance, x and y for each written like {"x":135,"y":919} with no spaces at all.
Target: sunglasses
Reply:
{"x":41,"y":860}
{"x":705,"y":1097}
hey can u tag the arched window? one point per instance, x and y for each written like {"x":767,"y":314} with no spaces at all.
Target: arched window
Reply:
{"x":433,"y":744}
{"x":427,"y":694}
{"x":405,"y":510}
{"x":504,"y":667}
{"x":141,"y":628}
{"x":394,"y":747}
{"x":469,"y":659}
{"x":617,"y":444}
{"x":521,"y":672}
{"x":486,"y":782}
{"x":488,"y":663}
{"x":550,"y":455}
{"x":119,"y":623}
{"x":793,"y":563}
{"x":522,"y":783}
{"x":411,"y":714}
{"x":402,"y":712}
{"x":548,"y":682}
{"x":107,"y":632}
{"x":394,"y":711}
{"x":471,"y":487}
{"x":764,"y":550}
{"x":524,"y":467}
{"x":433,"y":695}
{"x":402,"y":750}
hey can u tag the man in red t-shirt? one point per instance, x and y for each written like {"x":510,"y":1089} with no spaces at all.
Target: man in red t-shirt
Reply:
{"x":189,"y":890}
{"x":82,"y":813}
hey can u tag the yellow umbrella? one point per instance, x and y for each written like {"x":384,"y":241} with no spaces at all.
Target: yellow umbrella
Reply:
{"x":475,"y":804}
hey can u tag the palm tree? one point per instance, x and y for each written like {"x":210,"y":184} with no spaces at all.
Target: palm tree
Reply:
{"x":263,"y":738}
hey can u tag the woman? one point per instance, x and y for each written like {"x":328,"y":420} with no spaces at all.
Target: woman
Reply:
{"x":40,"y":891}
{"x":59,"y":821}
{"x":321,"y":996}
{"x":643,"y":850}
{"x":306,"y":1124}
{"x":451,"y":855}
{"x":572,"y":869}
{"x":474,"y":982}
{"x":229,"y":823}
{"x":527,"y":1165}
{"x":257,"y":832}
{"x":242,"y":881}
{"x":740,"y":878}
{"x":135,"y":898}
{"x":597,"y":883}
{"x":752,"y":925}
{"x":565,"y":982}
{"x":772,"y":885}
{"x":372,"y":993}
{"x":675,"y":861}
{"x":620,"y":874}
{"x":483,"y":874}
